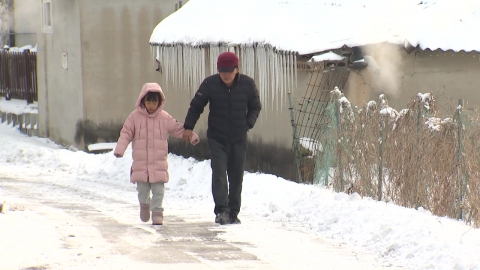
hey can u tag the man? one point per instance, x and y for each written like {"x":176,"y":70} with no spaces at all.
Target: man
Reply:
{"x":234,"y":109}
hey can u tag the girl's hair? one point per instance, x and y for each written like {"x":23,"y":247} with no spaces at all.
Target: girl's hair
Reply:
{"x":152,"y":96}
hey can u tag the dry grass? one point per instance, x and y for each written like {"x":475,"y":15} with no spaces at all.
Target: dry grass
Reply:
{"x":413,"y":158}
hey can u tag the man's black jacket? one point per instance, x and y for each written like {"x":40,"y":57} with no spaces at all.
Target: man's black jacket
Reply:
{"x":233,"y":111}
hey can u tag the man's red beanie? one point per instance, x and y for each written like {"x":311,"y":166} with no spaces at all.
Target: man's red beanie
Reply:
{"x":227,"y":62}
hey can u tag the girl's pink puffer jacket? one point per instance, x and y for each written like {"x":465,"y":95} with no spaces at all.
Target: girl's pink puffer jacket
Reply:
{"x":148,"y":134}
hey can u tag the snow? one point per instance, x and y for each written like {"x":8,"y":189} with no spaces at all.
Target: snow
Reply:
{"x":329,"y":56}
{"x":17,"y":106}
{"x":21,"y":49}
{"x":310,"y":26}
{"x":395,"y":236}
{"x":312,"y":145}
{"x":101,"y":146}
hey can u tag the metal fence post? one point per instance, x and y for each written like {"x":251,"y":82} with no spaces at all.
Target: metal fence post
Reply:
{"x":295,"y":141}
{"x":380,"y":163}
{"x":459,"y":154}
{"x":338,"y":143}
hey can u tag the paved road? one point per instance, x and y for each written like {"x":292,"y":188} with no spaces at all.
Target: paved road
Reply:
{"x":70,"y":226}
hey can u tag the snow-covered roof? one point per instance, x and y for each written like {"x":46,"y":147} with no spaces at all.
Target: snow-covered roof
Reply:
{"x":20,"y":49}
{"x":310,"y":26}
{"x":329,"y":56}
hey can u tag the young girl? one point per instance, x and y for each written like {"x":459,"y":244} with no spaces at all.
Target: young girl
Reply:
{"x":148,"y":128}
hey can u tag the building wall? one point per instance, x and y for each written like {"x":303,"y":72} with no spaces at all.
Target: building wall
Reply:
{"x":5,"y":23}
{"x":448,"y":75}
{"x":59,"y":89}
{"x":117,"y":59}
{"x":27,"y":17}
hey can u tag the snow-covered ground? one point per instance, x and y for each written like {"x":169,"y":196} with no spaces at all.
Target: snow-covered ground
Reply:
{"x":41,"y":180}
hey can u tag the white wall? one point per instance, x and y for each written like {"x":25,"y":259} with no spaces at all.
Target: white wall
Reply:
{"x":60,"y":89}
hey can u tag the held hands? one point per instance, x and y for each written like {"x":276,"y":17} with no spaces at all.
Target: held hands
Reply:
{"x":195,"y":140}
{"x":190,"y":136}
{"x":187,"y":135}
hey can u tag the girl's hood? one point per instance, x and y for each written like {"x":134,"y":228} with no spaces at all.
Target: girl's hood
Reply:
{"x":150,"y":87}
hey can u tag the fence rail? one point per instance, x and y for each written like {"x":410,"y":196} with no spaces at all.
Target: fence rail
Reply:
{"x":18,"y":75}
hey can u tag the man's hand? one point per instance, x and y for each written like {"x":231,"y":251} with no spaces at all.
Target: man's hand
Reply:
{"x":187,"y":135}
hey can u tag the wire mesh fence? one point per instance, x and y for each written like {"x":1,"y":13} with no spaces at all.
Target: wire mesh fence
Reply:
{"x":309,"y":115}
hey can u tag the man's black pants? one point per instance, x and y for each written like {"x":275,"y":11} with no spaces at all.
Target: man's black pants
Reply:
{"x":227,"y":159}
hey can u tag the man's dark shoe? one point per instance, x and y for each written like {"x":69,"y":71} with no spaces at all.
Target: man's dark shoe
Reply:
{"x":222,"y":218}
{"x":234,"y":219}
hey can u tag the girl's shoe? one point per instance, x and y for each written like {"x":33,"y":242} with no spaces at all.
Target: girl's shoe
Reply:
{"x":157,"y":217}
{"x":144,"y":212}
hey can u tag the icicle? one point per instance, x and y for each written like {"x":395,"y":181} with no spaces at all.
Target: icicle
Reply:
{"x":261,"y":68}
{"x":214,"y":57}
{"x":284,"y":82}
{"x":252,"y":61}
{"x":153,"y":54}
{"x":166,"y":59}
{"x":280,"y":80}
{"x":194,"y":67}
{"x":282,"y":77}
{"x":173,"y":57}
{"x":191,"y":68}
{"x":179,"y":71}
{"x":295,"y":69}
{"x":271,"y":76}
{"x":243,"y":59}
{"x":289,"y":86}
{"x":186,"y":68}
{"x":247,"y":56}
{"x":165,"y":63}
{"x":291,"y":68}
{"x":200,"y":68}
{"x":275,"y":77}
{"x":275,"y":72}
{"x":211,"y":49}
{"x":202,"y":71}
{"x":173,"y":67}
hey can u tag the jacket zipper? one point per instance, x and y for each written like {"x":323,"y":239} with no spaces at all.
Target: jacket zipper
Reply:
{"x":229,"y":111}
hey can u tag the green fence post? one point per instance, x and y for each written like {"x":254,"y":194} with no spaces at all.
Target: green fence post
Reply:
{"x":324,"y":161}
